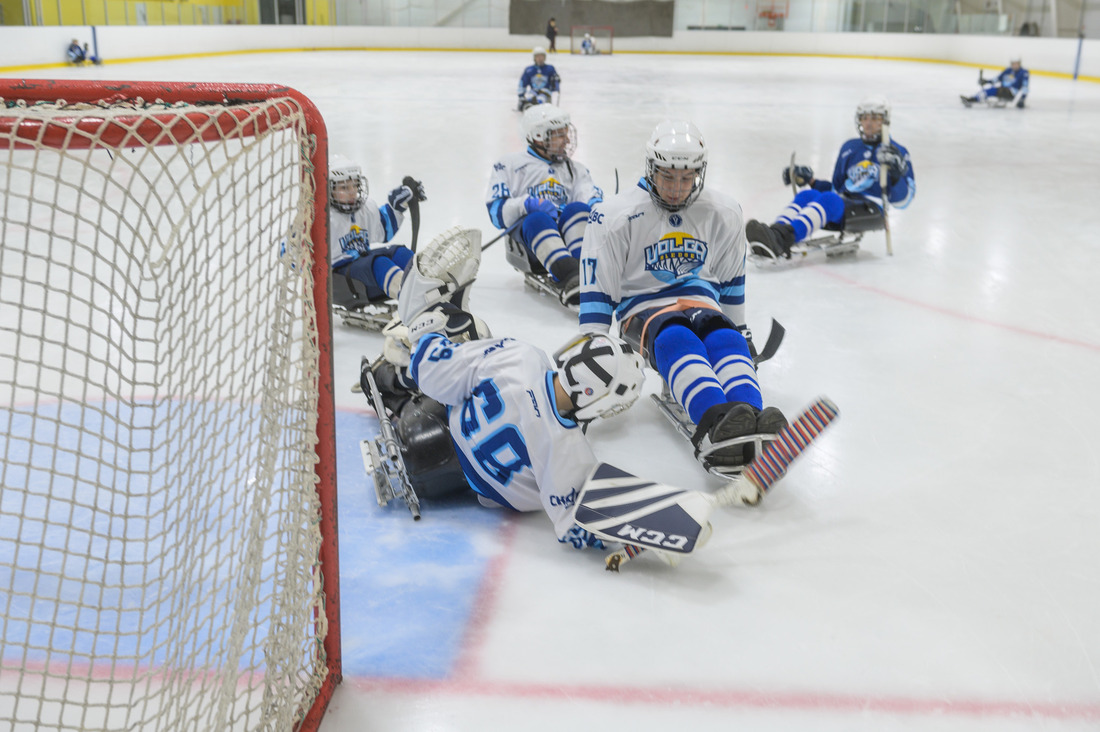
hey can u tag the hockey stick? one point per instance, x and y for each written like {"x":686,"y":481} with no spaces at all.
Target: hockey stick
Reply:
{"x":790,"y":174}
{"x":883,"y":183}
{"x":775,"y":338}
{"x":504,"y":233}
{"x":762,"y":473}
{"x":616,"y":181}
{"x":414,"y":207}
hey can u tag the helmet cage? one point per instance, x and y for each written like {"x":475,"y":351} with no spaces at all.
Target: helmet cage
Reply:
{"x":676,"y":145}
{"x":873,"y":106}
{"x":539,"y":124}
{"x":341,"y":173}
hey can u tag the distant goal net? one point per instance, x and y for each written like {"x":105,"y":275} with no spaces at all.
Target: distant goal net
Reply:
{"x":168,"y":555}
{"x":591,"y":39}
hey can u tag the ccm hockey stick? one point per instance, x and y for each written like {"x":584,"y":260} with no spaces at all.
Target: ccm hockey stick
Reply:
{"x":414,"y":208}
{"x":883,"y":183}
{"x":763,"y":472}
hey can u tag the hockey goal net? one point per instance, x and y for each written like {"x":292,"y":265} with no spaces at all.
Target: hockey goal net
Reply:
{"x":591,"y":39}
{"x":167,"y":521}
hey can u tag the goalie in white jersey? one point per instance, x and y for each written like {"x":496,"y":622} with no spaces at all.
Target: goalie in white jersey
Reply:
{"x":515,"y":417}
{"x":549,"y":191}
{"x":667,"y":260}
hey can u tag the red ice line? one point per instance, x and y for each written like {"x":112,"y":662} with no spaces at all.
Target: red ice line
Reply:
{"x":774,"y":701}
{"x":962,"y":316}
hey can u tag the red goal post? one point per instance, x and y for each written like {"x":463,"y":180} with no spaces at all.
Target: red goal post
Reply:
{"x":168,"y":518}
{"x":602,"y":36}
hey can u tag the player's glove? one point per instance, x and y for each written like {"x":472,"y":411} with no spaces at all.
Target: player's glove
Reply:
{"x":416,"y":187}
{"x":533,"y":204}
{"x":890,"y":156}
{"x":400,"y":197}
{"x":803,"y":175}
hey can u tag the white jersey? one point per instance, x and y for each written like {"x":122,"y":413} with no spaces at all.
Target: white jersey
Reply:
{"x":356,"y":231}
{"x":513,"y":445}
{"x":519,"y":175}
{"x":638,"y":256}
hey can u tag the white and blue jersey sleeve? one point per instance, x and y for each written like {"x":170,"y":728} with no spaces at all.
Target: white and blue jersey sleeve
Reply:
{"x":351,"y":235}
{"x":637,"y":256}
{"x":856,"y":174}
{"x":514,"y":447}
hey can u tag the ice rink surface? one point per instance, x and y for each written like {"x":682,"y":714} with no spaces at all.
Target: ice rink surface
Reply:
{"x":932,"y":564}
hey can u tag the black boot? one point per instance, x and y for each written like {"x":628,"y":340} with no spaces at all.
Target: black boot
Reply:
{"x":567,"y":272}
{"x":777,"y":237}
{"x":720,"y":423}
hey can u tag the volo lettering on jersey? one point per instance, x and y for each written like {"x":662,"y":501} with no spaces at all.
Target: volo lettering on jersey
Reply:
{"x":675,"y":255}
{"x":550,"y":189}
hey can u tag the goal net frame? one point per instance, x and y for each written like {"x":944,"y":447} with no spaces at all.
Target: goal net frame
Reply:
{"x":92,"y":117}
{"x":604,"y":35}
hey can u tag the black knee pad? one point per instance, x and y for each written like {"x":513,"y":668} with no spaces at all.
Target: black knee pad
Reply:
{"x":429,"y":453}
{"x":705,"y":321}
{"x":861,"y":215}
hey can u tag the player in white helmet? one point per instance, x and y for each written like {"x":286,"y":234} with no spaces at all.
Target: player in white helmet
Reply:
{"x":358,"y":225}
{"x":551,"y":193}
{"x":666,"y":260}
{"x":1008,"y":87}
{"x":538,"y":82}
{"x":855,"y":190}
{"x":588,"y":45}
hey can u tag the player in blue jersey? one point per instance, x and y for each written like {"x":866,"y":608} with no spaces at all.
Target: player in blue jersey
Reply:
{"x":357,"y":225}
{"x":666,"y":258}
{"x":75,"y":54}
{"x":1009,"y":87}
{"x":550,"y":191}
{"x":854,"y":190}
{"x":538,"y":82}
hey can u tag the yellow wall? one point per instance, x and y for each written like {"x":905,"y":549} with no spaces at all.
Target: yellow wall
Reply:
{"x":125,"y":12}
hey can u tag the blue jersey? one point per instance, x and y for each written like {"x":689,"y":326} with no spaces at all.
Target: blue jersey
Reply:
{"x":539,"y":77}
{"x":514,"y":447}
{"x":1016,"y":80}
{"x":856,"y":174}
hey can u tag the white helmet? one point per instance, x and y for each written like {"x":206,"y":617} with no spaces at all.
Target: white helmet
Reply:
{"x":538,"y":51}
{"x":875,"y":104}
{"x":539,"y":121}
{"x":602,"y":375}
{"x":676,"y":144}
{"x":340,"y":170}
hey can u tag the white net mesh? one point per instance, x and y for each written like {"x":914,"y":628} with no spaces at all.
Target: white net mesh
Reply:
{"x":159,"y":515}
{"x":600,"y":39}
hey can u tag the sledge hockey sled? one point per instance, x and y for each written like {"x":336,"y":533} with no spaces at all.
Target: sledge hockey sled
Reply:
{"x":351,"y":304}
{"x":535,"y":275}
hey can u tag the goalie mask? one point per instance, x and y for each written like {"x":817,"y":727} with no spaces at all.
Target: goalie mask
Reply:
{"x":875,"y":107}
{"x":441,"y":271}
{"x":549,"y":132}
{"x":676,"y":164}
{"x":602,"y":375}
{"x":347,"y":187}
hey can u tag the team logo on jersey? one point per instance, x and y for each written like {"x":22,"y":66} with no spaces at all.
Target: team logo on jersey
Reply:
{"x":675,"y":255}
{"x":355,"y":241}
{"x":551,"y":189}
{"x":675,"y":220}
{"x":862,"y":176}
